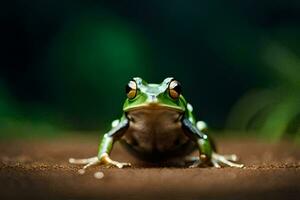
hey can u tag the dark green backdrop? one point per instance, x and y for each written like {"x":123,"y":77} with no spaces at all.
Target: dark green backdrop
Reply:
{"x":64,"y":64}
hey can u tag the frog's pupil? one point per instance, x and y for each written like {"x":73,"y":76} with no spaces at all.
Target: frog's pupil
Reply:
{"x":175,"y":85}
{"x":177,"y":88}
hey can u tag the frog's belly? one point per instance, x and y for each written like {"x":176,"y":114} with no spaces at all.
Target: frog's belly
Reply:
{"x":156,"y":133}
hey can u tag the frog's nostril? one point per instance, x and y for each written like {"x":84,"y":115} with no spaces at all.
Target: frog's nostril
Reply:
{"x":152,"y":98}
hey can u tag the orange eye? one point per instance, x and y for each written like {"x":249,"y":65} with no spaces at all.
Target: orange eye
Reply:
{"x":174,"y":89}
{"x":131,"y":89}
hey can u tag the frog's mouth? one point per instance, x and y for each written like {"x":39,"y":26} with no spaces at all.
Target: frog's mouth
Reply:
{"x":155,"y":116}
{"x":154,"y":106}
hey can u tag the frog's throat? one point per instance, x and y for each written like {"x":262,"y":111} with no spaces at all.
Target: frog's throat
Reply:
{"x":154,"y":106}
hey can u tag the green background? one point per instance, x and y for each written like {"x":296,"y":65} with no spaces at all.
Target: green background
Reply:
{"x":64,"y":64}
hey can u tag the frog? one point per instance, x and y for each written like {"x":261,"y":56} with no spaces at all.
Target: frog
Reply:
{"x":158,"y":123}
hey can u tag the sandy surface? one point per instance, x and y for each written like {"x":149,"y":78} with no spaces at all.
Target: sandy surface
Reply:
{"x":38,"y":169}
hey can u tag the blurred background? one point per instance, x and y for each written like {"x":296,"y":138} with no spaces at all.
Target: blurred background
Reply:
{"x":64,"y":64}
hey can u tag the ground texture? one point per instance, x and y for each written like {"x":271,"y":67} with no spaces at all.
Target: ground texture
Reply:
{"x":39,"y":169}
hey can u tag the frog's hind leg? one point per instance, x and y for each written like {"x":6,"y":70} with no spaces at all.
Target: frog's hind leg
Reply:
{"x":225,"y":160}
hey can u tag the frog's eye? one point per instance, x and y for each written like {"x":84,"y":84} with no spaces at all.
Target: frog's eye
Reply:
{"x":174,"y":89}
{"x":131,"y":89}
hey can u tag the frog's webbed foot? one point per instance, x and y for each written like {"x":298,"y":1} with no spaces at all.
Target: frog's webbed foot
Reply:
{"x":217,"y":161}
{"x":103,"y":160}
{"x":106,"y":160}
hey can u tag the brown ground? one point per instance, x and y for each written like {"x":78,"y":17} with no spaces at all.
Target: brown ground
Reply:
{"x":38,"y":169}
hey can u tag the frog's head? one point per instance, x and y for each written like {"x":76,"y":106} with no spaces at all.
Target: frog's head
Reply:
{"x":141,"y":94}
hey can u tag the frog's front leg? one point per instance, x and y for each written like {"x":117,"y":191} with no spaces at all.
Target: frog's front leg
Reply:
{"x":207,"y":151}
{"x":105,"y":148}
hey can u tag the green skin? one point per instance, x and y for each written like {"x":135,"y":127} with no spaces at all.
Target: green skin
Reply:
{"x":153,"y":115}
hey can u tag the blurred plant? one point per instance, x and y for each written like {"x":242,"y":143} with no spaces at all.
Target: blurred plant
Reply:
{"x":275,"y":111}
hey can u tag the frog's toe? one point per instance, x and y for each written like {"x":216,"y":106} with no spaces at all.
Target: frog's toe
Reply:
{"x":122,"y":165}
{"x":218,"y":160}
{"x":215,"y":164}
{"x":196,"y":164}
{"x":118,"y":164}
{"x":82,"y":161}
{"x":231,"y":157}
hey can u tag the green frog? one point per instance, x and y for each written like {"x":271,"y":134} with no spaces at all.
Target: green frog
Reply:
{"x":158,"y":124}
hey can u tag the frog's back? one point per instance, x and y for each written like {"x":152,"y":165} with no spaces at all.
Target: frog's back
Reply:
{"x":156,"y":133}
